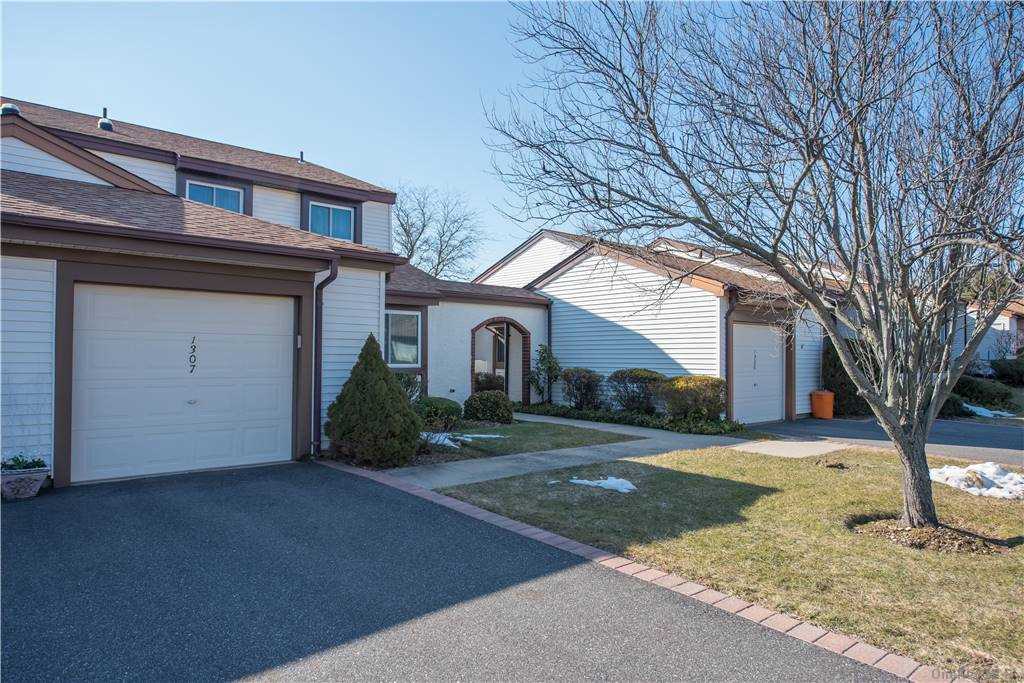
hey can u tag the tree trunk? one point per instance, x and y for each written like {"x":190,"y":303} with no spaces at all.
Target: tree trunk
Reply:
{"x":918,"y":504}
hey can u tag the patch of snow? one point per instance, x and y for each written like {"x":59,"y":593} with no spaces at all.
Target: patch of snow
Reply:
{"x":610,"y":483}
{"x":472,"y":437}
{"x":983,"y":479}
{"x":554,"y":481}
{"x":439,"y":439}
{"x":985,"y":412}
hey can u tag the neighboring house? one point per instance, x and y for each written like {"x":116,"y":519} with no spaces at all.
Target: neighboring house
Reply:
{"x":672,"y":309}
{"x":171,"y":303}
{"x":452,"y":330}
{"x":1002,"y":340}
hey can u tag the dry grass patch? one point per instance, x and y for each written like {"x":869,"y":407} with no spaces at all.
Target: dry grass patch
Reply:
{"x":778,"y":532}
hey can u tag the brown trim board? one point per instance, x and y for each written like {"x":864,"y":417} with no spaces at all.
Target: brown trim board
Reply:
{"x":148,"y":272}
{"x":12,"y":125}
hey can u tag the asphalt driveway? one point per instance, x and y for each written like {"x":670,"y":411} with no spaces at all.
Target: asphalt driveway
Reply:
{"x":303,"y":572}
{"x":976,"y":441}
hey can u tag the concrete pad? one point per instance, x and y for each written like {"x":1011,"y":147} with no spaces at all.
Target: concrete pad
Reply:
{"x":790,"y":449}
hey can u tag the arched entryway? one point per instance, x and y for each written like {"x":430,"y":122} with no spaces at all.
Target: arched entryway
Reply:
{"x":500,"y":346}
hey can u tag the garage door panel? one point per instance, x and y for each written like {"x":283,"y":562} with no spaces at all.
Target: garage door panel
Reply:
{"x":138,"y":407}
{"x":262,"y":441}
{"x":758,"y":364}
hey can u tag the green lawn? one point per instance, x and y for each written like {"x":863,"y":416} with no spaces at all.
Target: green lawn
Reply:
{"x":520,"y":437}
{"x":774,"y":531}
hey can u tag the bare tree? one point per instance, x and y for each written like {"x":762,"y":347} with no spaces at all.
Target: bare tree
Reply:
{"x":436,"y":230}
{"x":869,"y":153}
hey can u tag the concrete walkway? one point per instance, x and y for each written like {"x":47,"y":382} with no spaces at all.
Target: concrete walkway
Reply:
{"x":650,"y":442}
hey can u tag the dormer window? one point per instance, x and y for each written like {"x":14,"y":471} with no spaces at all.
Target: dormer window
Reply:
{"x":221,"y":196}
{"x":331,"y":220}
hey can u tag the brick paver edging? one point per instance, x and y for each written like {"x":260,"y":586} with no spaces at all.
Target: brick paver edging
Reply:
{"x":848,"y":646}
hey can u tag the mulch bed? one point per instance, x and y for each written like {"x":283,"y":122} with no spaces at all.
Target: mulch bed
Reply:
{"x":942,"y":539}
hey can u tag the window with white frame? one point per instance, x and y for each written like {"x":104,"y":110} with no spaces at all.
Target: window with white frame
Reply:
{"x":332,"y":221}
{"x":221,"y":196}
{"x":402,"y":339}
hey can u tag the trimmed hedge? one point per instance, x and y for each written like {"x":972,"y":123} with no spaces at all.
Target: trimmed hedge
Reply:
{"x":438,"y":414}
{"x":834,"y":378}
{"x":372,"y":421}
{"x":582,"y":387}
{"x":694,"y":397}
{"x":984,"y":392}
{"x":488,"y":381}
{"x":634,"y":389}
{"x":1009,"y":370}
{"x":488,"y":406}
{"x":622,"y":417}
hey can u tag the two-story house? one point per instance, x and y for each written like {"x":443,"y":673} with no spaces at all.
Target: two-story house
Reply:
{"x":172,"y":303}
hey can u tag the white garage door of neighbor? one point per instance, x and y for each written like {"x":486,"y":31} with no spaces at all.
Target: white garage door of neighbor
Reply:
{"x":758,"y":382}
{"x":167,"y":381}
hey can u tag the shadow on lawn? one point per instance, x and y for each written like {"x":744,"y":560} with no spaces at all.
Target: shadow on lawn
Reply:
{"x":667,"y":502}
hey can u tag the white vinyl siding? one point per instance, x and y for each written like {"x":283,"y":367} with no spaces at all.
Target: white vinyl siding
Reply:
{"x":276,"y":206}
{"x":16,"y":155}
{"x":377,"y":225}
{"x":157,"y":172}
{"x":607,"y":315}
{"x":353,"y":310}
{"x":448,"y":344}
{"x":534,"y":261}
{"x":26,"y":345}
{"x":809,"y":342}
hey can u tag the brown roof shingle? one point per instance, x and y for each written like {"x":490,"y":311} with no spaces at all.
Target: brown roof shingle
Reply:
{"x":407,"y":279}
{"x":186,"y":145}
{"x":88,"y":204}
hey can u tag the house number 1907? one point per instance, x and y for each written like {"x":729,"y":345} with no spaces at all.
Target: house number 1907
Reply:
{"x":193,"y":355}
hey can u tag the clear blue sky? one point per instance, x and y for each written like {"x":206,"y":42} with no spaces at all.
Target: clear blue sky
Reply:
{"x":383,"y":92}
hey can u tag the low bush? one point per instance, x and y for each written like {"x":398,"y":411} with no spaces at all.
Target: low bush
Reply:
{"x":488,"y":381}
{"x":488,"y":406}
{"x":372,"y":421}
{"x":1009,"y":370}
{"x":834,"y":378}
{"x":438,"y":414}
{"x":622,"y":417}
{"x":582,"y":387}
{"x":984,"y":392}
{"x":954,"y":407}
{"x":694,"y":397}
{"x":634,"y":389}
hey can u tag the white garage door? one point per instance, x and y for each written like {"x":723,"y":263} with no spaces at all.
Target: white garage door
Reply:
{"x":168,"y":380}
{"x":758,"y":382}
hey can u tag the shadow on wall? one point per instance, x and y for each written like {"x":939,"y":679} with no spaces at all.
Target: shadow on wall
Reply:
{"x":580,"y":338}
{"x":228,"y":574}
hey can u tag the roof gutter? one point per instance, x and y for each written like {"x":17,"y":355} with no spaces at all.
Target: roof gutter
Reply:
{"x":318,"y":356}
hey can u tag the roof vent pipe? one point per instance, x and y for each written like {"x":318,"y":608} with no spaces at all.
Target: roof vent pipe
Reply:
{"x":105,"y":123}
{"x":9,"y":108}
{"x":302,"y":157}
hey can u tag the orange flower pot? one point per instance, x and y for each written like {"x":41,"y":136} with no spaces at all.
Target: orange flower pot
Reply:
{"x":822,"y":404}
